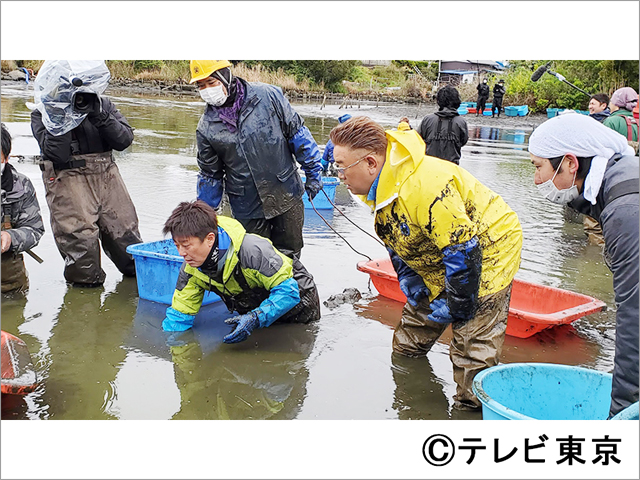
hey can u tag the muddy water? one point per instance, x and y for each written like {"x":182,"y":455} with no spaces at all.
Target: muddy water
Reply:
{"x":101,"y":353}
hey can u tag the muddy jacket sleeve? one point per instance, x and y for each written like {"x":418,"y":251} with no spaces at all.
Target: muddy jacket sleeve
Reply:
{"x":301,"y":142}
{"x":113,"y":127}
{"x":463,"y":266}
{"x":265,"y":267}
{"x":56,"y":149}
{"x":28,"y":227}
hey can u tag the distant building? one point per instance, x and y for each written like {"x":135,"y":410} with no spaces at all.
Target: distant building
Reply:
{"x":456,"y":72}
{"x":376,"y":63}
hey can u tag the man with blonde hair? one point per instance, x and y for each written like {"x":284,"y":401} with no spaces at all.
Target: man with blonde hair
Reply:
{"x":454,"y":243}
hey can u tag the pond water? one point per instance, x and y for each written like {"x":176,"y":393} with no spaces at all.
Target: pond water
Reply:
{"x":101,"y":353}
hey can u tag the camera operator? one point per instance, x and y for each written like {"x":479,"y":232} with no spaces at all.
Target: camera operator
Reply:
{"x":77,"y":130}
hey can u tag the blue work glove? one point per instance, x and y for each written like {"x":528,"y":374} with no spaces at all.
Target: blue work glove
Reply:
{"x":440,"y":312}
{"x":209,"y":190}
{"x":176,"y":321}
{"x":413,"y":288}
{"x":312,"y":186}
{"x":245,"y":324}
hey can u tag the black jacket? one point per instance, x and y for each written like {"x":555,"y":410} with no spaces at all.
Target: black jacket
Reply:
{"x":107,"y":131}
{"x":499,"y":91}
{"x":483,"y":90}
{"x":257,"y":163}
{"x":444,"y":132}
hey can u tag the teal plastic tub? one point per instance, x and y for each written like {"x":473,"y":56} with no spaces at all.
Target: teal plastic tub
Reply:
{"x":321,"y":202}
{"x":157,"y":268}
{"x":511,"y":111}
{"x":542,"y":391}
{"x":462,"y":110}
{"x":552,"y":112}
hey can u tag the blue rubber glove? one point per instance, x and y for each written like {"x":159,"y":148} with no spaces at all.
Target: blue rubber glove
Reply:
{"x":209,"y":190}
{"x":176,"y":321}
{"x":410,"y":282}
{"x":414,"y":288}
{"x":312,"y":186}
{"x":441,"y":312}
{"x":245,"y":324}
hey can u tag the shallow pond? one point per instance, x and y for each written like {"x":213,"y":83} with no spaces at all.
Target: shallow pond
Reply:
{"x":101,"y":353}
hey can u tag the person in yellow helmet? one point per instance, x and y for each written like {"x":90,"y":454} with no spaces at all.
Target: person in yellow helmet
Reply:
{"x":454,"y":244}
{"x":249,"y":139}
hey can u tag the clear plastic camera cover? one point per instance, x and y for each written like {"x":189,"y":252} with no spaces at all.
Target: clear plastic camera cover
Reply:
{"x":54,"y":91}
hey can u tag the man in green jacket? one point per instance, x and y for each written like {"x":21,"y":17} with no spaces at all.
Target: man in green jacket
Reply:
{"x":249,"y":274}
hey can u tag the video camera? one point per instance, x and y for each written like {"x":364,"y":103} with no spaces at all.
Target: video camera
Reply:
{"x":85,"y":102}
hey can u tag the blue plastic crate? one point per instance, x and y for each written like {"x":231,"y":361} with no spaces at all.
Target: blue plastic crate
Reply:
{"x":552,"y":112}
{"x":329,"y":185}
{"x":157,"y":268}
{"x":462,"y":110}
{"x":511,"y":111}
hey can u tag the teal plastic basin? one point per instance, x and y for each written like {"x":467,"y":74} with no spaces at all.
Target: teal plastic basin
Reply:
{"x":542,"y":391}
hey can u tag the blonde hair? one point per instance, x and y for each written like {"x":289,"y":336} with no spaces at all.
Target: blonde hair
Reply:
{"x":360,"y":132}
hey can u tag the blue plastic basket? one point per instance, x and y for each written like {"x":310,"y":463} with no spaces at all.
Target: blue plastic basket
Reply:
{"x":543,"y":391}
{"x":511,"y":111}
{"x":157,"y":268}
{"x":321,"y":202}
{"x":552,"y":112}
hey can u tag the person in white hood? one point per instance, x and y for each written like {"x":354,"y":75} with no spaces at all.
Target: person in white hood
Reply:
{"x":590,"y":167}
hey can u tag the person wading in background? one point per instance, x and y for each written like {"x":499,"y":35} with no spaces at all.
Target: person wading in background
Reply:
{"x":445,"y":131}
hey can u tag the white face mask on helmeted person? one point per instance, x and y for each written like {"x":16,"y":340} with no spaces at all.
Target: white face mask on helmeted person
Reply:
{"x":214,"y":95}
{"x":552,"y":193}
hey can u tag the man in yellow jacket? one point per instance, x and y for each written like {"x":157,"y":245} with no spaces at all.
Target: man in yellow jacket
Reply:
{"x":454,"y":243}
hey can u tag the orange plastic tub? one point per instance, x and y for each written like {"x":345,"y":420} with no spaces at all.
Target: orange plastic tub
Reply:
{"x":533,"y":307}
{"x":18,"y":374}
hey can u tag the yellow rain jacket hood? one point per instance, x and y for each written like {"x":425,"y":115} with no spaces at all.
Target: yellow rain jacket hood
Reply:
{"x":424,"y":204}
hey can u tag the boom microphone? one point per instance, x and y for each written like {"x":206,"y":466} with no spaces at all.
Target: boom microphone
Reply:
{"x":539,"y":72}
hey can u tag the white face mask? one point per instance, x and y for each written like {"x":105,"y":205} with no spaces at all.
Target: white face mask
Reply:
{"x":549,"y":191}
{"x":213,"y":95}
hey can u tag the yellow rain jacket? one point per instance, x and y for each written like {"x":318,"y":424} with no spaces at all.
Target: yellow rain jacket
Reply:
{"x":424,"y":205}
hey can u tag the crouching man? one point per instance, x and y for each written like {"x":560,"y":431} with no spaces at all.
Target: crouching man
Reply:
{"x":248,"y":273}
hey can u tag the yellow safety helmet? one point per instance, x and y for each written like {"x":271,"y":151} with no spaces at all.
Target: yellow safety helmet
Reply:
{"x":201,"y":69}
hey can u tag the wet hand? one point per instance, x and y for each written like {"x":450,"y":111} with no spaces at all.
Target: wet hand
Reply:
{"x":440,"y":312}
{"x":245,"y":324}
{"x":6,"y":241}
{"x":414,"y":289}
{"x":312,"y":187}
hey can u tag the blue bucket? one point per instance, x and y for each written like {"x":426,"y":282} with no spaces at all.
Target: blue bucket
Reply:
{"x":157,"y":268}
{"x":321,"y":202}
{"x":542,"y":391}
